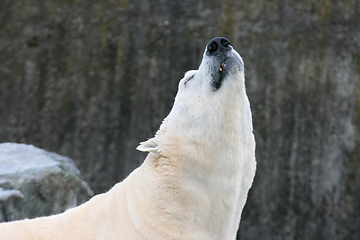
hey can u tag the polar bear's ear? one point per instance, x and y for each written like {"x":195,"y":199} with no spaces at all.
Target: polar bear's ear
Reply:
{"x":148,"y":146}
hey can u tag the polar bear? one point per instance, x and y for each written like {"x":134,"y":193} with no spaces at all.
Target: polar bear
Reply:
{"x":194,"y":181}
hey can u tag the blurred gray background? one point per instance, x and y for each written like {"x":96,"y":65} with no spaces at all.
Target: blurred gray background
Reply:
{"x":91,"y":79}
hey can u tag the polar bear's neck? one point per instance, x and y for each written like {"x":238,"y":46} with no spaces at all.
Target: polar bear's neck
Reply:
{"x":194,"y":180}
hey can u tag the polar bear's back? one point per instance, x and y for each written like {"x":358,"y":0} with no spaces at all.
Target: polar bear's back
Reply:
{"x":105,"y":216}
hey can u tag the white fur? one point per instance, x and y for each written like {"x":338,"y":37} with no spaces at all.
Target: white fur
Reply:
{"x":193,"y":183}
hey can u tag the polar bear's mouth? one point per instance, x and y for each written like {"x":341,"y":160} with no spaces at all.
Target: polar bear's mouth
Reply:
{"x":219,"y":76}
{"x":222,"y":65}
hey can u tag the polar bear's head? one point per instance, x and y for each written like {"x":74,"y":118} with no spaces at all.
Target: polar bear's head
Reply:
{"x":212,"y":95}
{"x":220,"y":62}
{"x":218,"y":83}
{"x":209,"y":100}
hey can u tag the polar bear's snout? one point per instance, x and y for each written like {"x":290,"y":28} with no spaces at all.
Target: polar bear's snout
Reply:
{"x":218,"y":45}
{"x":222,"y":61}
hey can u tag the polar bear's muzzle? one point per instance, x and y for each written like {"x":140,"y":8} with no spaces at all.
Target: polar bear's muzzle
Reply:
{"x":217,"y":46}
{"x":222,"y":60}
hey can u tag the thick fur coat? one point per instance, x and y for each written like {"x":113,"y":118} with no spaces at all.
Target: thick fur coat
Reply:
{"x":194,"y":182}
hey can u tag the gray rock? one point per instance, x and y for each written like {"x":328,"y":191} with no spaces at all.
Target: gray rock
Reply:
{"x":34,"y":182}
{"x":11,"y":203}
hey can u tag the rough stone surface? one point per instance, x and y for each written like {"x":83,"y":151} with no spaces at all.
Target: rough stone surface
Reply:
{"x":91,"y":79}
{"x":11,"y":204}
{"x":34,"y":183}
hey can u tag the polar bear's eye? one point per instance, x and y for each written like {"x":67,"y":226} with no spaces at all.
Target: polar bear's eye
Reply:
{"x":191,"y":77}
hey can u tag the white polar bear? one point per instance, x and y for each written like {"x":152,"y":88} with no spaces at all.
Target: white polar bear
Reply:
{"x":194,"y":182}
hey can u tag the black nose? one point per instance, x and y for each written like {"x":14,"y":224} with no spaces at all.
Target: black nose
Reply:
{"x":218,"y":45}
